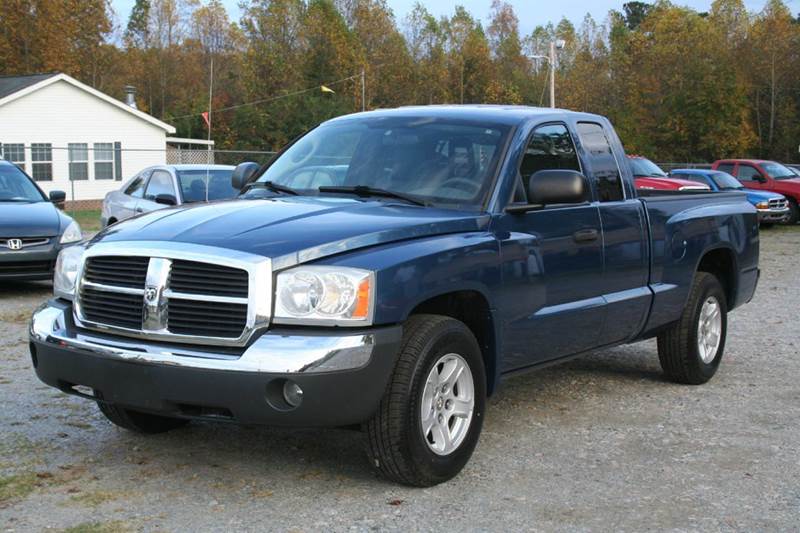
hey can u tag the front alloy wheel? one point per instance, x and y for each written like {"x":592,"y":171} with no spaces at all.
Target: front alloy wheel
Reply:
{"x":448,"y":401}
{"x":429,"y":420}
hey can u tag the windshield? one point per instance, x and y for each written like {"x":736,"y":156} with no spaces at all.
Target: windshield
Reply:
{"x":193,"y":185}
{"x":438,"y":161}
{"x":16,"y":187}
{"x":644,"y":167}
{"x":778,"y":171}
{"x":725,"y":181}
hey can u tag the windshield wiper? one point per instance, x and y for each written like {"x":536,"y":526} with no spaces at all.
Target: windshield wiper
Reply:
{"x":28,"y":200}
{"x":272,"y":186}
{"x":366,"y":191}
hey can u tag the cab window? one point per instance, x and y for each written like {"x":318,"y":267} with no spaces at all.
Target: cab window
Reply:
{"x":602,"y":161}
{"x":550,"y":148}
{"x":747,"y":173}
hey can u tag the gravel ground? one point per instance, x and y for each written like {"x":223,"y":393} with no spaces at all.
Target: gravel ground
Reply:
{"x":599,"y":443}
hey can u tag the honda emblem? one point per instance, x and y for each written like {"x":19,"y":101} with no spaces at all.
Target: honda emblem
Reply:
{"x":14,"y":244}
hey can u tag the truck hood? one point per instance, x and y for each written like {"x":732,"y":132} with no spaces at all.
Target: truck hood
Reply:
{"x":755,"y":197}
{"x":37,"y":219}
{"x":293,"y":230}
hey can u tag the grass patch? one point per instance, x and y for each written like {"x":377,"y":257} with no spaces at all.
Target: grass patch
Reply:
{"x":93,"y":499}
{"x":98,"y":527}
{"x":89,"y":219}
{"x":16,"y":487}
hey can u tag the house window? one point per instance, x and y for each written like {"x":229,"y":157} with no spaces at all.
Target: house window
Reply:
{"x":104,"y":161}
{"x":78,"y":161}
{"x":14,"y":153}
{"x":42,"y":161}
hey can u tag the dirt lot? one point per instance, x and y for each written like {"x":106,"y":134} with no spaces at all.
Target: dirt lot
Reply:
{"x":602,"y":443}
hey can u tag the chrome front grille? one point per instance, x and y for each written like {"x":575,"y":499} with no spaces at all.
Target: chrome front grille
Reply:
{"x":192,"y":277}
{"x":117,"y":271}
{"x":155,"y":293}
{"x":778,"y":203}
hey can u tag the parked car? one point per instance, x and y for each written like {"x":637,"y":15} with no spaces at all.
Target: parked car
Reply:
{"x":772,"y":207}
{"x":32,"y":229}
{"x":463,"y":245}
{"x":765,"y":176}
{"x":649,"y":177}
{"x":794,"y":168}
{"x":167,"y":185}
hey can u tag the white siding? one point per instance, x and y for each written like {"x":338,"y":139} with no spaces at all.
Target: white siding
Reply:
{"x":61,"y":114}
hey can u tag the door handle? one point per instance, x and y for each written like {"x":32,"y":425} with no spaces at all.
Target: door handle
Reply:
{"x":585,"y":235}
{"x":139,"y":210}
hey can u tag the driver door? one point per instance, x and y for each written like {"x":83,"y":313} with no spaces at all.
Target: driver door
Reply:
{"x":552,"y":297}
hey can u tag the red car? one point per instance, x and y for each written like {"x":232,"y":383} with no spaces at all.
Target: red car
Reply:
{"x":649,"y":176}
{"x":765,"y":176}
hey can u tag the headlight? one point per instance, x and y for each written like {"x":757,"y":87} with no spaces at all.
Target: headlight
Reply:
{"x":762,"y":205}
{"x":66,"y":273}
{"x":325,"y":295}
{"x":71,"y":234}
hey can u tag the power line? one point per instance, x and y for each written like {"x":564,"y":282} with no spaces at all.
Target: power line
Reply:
{"x":266,"y":100}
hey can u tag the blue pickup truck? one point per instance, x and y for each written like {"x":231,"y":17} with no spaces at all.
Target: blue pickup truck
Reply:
{"x":387,"y":270}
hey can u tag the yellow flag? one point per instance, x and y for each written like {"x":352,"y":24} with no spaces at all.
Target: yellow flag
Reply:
{"x":327,"y":89}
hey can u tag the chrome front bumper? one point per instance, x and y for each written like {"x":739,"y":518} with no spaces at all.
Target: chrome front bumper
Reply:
{"x":773,"y":215}
{"x":273,"y":352}
{"x":343,"y":373}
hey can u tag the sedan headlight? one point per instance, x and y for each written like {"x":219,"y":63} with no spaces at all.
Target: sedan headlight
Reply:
{"x":325,"y":296}
{"x":72,"y":233}
{"x":66,"y":272}
{"x":762,"y":205}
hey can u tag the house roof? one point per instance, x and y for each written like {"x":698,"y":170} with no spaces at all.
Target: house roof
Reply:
{"x":12,"y":84}
{"x":15,"y":87}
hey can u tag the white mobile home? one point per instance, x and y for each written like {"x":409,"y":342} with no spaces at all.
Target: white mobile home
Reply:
{"x":71,"y":137}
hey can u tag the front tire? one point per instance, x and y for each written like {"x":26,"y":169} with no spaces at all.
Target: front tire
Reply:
{"x":794,"y":212}
{"x":691,"y":349}
{"x":430,"y":417}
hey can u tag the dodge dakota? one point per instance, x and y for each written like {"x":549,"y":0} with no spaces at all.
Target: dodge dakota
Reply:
{"x":386,"y":271}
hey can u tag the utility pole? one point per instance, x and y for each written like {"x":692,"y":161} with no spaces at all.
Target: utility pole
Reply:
{"x":558,"y":44}
{"x":363,"y":89}
{"x":553,"y":74}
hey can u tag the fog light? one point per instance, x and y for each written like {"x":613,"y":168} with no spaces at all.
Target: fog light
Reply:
{"x":292,"y":393}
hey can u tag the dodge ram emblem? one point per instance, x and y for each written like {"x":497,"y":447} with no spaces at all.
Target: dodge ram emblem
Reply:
{"x":14,"y":244}
{"x":151,"y":295}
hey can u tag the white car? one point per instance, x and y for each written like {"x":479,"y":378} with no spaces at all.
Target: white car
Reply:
{"x":167,"y":185}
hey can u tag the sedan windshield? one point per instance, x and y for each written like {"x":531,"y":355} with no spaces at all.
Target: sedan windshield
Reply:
{"x":644,"y":167}
{"x":16,"y":187}
{"x":193,"y":185}
{"x":450,"y":163}
{"x":778,"y":171}
{"x":725,"y":181}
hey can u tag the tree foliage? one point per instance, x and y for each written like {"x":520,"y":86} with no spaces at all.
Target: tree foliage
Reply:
{"x":677,"y":83}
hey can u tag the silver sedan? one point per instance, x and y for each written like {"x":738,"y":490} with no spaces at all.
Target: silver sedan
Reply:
{"x":167,"y":185}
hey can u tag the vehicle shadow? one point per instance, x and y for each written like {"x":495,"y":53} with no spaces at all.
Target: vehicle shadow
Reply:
{"x":242,"y":457}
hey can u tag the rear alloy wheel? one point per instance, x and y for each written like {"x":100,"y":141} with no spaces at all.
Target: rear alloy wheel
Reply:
{"x":431,"y":415}
{"x":691,"y":349}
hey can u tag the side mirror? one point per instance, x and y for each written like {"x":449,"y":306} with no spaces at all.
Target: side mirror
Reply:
{"x":759,"y":178}
{"x":242,"y":174}
{"x":557,"y":187}
{"x":166,"y":199}
{"x":58,"y":198}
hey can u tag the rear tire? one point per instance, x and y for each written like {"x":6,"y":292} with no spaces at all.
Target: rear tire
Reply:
{"x":138,"y":421}
{"x":430,"y":418}
{"x":691,"y":349}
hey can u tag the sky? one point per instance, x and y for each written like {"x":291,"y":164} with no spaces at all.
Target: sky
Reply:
{"x":531,"y":13}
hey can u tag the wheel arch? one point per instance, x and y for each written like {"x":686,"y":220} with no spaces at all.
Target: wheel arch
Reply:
{"x":721,"y":262}
{"x":473,"y":309}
